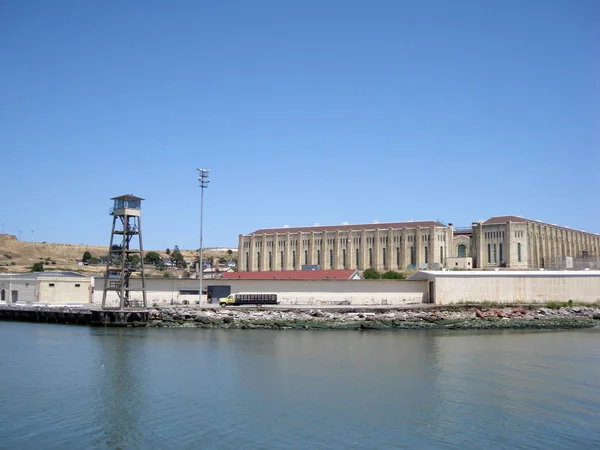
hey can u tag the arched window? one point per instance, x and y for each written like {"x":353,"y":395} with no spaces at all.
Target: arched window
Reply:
{"x":462,"y":251}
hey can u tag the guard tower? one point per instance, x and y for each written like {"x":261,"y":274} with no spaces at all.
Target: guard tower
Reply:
{"x":122,"y":252}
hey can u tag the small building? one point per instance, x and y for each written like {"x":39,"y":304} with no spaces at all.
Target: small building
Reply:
{"x":46,"y":288}
{"x":341,"y":274}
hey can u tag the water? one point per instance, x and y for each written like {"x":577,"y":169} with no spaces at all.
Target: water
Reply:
{"x":79,"y":387}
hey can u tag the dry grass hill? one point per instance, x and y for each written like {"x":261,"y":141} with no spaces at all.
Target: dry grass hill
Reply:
{"x":19,"y":257}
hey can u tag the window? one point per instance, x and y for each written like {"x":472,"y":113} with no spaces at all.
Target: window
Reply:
{"x":3,"y":295}
{"x":282,"y":261}
{"x":384,"y":258}
{"x":357,"y":258}
{"x":462,"y":251}
{"x":305,"y":257}
{"x":501,"y":255}
{"x":489,"y":254}
{"x":51,"y":284}
{"x":258,"y":260}
{"x":412,"y":256}
{"x":398,"y":256}
{"x":344,"y":258}
{"x":519,"y":252}
{"x":426,"y":255}
{"x":247,"y":262}
{"x":270,"y":261}
{"x":495,"y":255}
{"x":318,"y":257}
{"x":370,"y":257}
{"x":77,"y":285}
{"x":331,"y":258}
{"x":189,"y":291}
{"x":441,"y":255}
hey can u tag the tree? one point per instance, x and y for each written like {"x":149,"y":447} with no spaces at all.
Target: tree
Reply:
{"x":393,"y":275}
{"x":177,"y":257}
{"x":168,"y":251}
{"x":86,"y":257}
{"x":229,"y":252}
{"x":371,"y":274}
{"x":152,"y":258}
{"x":222,"y":260}
{"x":134,"y":259}
{"x":37,"y":267}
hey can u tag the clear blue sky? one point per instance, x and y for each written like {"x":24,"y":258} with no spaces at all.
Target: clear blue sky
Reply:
{"x":323,"y":111}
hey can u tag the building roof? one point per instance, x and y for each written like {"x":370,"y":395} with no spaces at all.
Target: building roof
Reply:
{"x":127,"y":197}
{"x":292,"y":275}
{"x":503,"y":219}
{"x":44,"y":274}
{"x":354,"y":227}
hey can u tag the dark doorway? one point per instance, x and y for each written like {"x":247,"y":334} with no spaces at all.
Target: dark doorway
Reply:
{"x":214,"y":293}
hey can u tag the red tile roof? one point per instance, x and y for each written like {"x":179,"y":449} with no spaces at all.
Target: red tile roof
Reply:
{"x":355,"y":227}
{"x":291,"y":275}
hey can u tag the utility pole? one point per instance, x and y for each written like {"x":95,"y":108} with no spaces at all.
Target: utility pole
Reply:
{"x":203,"y":183}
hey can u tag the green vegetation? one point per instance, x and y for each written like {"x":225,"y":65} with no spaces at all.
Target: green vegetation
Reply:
{"x":152,"y":258}
{"x":372,"y":274}
{"x":177,"y":258}
{"x":37,"y":267}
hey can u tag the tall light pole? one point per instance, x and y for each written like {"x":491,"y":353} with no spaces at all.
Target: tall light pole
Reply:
{"x":203,"y":183}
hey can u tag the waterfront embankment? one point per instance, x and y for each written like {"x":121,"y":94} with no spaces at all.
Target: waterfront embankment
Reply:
{"x":451,"y":318}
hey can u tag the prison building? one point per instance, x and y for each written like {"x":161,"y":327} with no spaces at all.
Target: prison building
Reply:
{"x":520,"y":243}
{"x":502,"y":241}
{"x":382,"y":246}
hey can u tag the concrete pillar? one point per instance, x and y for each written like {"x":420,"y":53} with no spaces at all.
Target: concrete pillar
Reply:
{"x":480,"y":261}
{"x":351,"y":252}
{"x":324,"y":255}
{"x":404,"y":254}
{"x":364,"y":246}
{"x":337,"y":263}
{"x":276,"y":252}
{"x":377,"y":246}
{"x":418,"y":247}
{"x":252,"y":254}
{"x":241,"y":254}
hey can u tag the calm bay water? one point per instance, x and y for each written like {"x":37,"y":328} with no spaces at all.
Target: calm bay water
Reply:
{"x":79,"y":387}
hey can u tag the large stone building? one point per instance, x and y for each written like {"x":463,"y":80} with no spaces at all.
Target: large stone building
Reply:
{"x":503,"y":241}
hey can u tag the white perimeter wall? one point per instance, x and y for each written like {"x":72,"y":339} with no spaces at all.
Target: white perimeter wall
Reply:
{"x":290,"y":292}
{"x":518,"y":288}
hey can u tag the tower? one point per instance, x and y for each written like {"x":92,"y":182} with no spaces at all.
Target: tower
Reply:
{"x":125,"y":255}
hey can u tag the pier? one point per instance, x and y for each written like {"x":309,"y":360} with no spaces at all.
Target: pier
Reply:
{"x":74,"y":315}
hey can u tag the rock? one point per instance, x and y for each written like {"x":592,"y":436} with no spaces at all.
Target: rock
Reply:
{"x":202,"y":318}
{"x":227,"y":319}
{"x":596,"y":316}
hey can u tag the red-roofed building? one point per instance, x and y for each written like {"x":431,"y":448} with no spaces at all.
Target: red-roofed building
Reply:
{"x":342,"y":274}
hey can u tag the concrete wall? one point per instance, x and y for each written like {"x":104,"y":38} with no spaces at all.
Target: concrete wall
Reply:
{"x":517,"y":287}
{"x":290,"y":292}
{"x":460,"y":263}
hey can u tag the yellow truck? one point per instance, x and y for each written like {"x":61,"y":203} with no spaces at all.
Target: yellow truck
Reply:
{"x":248,"y":299}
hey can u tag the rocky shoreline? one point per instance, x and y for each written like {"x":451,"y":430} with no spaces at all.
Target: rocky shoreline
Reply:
{"x":436,"y":318}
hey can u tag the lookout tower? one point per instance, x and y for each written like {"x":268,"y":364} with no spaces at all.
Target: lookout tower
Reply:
{"x":125,"y":253}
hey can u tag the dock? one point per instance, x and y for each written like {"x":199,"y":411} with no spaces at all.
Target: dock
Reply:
{"x":71,"y":315}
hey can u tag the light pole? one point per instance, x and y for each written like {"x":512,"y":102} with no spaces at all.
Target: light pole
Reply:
{"x":203,"y":183}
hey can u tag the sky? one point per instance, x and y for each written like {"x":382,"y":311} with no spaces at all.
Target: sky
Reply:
{"x":312,"y":111}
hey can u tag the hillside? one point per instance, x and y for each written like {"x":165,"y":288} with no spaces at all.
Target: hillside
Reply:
{"x":17,"y":256}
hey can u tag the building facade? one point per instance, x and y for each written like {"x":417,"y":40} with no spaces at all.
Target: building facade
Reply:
{"x":502,"y":241}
